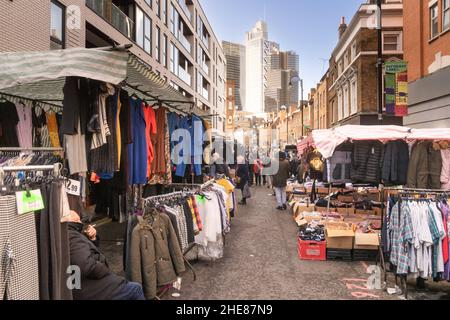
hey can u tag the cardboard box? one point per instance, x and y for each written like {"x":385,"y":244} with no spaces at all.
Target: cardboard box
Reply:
{"x":322,"y":190}
{"x":339,"y":235}
{"x":367,"y":241}
{"x":378,"y":211}
{"x":346,"y":199}
{"x":346,"y":211}
{"x":325,"y":209}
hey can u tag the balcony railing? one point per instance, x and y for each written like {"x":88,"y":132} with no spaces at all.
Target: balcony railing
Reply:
{"x":185,"y":42}
{"x":183,"y":6}
{"x":205,"y":67}
{"x":113,"y":15}
{"x":185,"y":76}
{"x":205,"y":93}
{"x":98,"y":6}
{"x":122,"y":22}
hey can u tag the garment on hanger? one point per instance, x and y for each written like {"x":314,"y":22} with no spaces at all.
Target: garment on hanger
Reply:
{"x":150,"y":130}
{"x":8,"y":122}
{"x":52,"y":124}
{"x":425,"y":168}
{"x":395,"y":163}
{"x":445,"y":173}
{"x":156,"y":258}
{"x":24,"y":126}
{"x":138,"y":150}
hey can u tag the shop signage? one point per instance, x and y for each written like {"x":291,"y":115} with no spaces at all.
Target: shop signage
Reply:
{"x":73,"y":187}
{"x":396,"y":88}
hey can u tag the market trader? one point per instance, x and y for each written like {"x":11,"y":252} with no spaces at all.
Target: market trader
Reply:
{"x":97,"y":281}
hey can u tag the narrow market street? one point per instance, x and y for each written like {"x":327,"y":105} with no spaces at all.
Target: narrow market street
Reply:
{"x":261,"y":262}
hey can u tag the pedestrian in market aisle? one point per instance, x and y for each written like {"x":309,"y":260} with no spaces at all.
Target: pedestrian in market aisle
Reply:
{"x":280,"y":179}
{"x":242,"y":177}
{"x":257,"y":169}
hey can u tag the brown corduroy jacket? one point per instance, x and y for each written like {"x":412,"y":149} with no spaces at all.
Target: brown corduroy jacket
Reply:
{"x":156,"y":257}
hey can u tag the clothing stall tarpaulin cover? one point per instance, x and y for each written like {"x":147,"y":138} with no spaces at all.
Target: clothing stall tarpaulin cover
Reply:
{"x":304,"y":144}
{"x":22,"y":68}
{"x":328,"y":140}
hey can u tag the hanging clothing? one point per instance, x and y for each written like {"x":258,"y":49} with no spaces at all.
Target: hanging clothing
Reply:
{"x":24,"y":126}
{"x":41,"y":136}
{"x":367,"y":161}
{"x":52,"y":124}
{"x":191,"y":153}
{"x":425,"y":168}
{"x":8,"y":123}
{"x":138,"y":150}
{"x":445,"y":173}
{"x":395,"y":163}
{"x":156,"y":258}
{"x":19,"y":268}
{"x":150,"y":130}
{"x":75,"y":103}
{"x":75,"y":147}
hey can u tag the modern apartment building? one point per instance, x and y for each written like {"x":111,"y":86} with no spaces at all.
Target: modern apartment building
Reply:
{"x":173,"y":37}
{"x":258,"y":49}
{"x":352,"y":76}
{"x":427,"y":50}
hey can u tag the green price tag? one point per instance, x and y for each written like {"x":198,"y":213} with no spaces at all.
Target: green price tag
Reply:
{"x":29,"y":202}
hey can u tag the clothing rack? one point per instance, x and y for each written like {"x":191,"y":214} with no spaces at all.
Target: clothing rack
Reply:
{"x":12,"y":96}
{"x":403,"y":191}
{"x":56,"y":168}
{"x":31,"y":149}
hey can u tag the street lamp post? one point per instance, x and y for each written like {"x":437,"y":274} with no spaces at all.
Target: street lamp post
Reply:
{"x":380,"y":63}
{"x":287,"y":123}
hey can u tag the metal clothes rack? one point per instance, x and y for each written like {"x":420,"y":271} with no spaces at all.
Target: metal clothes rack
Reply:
{"x":56,"y":168}
{"x":403,"y":191}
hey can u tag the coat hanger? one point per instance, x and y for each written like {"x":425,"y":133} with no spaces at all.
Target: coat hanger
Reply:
{"x":2,"y":99}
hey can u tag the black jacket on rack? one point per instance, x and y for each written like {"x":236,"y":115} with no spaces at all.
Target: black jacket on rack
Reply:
{"x":366,"y":162}
{"x":395,"y":164}
{"x":97,"y":281}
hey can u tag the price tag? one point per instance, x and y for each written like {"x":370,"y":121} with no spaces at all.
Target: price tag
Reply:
{"x":73,"y":187}
{"x":28,"y":202}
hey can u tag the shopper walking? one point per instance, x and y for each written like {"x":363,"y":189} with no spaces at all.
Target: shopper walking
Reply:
{"x":257,"y":169}
{"x":280,"y":181}
{"x":219,"y":167}
{"x":242,"y":180}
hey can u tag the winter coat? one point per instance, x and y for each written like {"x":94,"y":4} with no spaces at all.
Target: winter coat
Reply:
{"x":425,"y":167}
{"x":366,"y":162}
{"x":97,"y":281}
{"x":281,"y":177}
{"x":445,"y":173}
{"x":244,"y":175}
{"x":395,"y":164}
{"x":155,"y":253}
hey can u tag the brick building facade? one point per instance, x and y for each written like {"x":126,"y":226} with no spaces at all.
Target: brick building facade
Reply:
{"x":427,"y":50}
{"x":352,"y":76}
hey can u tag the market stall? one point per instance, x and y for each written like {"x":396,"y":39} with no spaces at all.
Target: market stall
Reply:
{"x":82,"y":127}
{"x":378,"y":182}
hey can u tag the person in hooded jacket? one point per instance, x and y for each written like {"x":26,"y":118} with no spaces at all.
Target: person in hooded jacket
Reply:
{"x":98,"y":282}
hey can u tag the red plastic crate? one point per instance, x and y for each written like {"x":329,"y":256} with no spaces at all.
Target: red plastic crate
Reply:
{"x":312,"y":250}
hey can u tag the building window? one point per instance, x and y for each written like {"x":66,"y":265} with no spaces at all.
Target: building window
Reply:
{"x":339,"y":108}
{"x":158,"y":8}
{"x":341,"y":67}
{"x":174,"y":21}
{"x":164,"y":51}
{"x":143,"y":30}
{"x":346,"y":102}
{"x":57,"y":27}
{"x":445,"y":15}
{"x":354,"y":97}
{"x":392,"y":42}
{"x":158,"y":44}
{"x":149,"y":2}
{"x":353,"y":51}
{"x":434,"y":21}
{"x":164,"y":11}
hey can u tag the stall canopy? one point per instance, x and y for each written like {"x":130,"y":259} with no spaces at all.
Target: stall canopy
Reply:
{"x":327,"y":141}
{"x":304,"y":144}
{"x":40,"y":76}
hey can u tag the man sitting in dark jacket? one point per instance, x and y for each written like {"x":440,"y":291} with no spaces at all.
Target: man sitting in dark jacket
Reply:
{"x":97,"y":281}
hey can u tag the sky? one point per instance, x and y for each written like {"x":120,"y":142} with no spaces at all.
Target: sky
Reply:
{"x":309,"y":27}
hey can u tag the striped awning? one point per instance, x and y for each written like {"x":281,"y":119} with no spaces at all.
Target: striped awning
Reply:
{"x":22,"y":68}
{"x":142,"y":81}
{"x":41,"y":75}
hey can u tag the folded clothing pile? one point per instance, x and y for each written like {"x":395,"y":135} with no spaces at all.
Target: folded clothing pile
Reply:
{"x":312,"y":232}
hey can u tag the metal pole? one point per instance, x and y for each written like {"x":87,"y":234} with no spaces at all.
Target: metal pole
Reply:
{"x":301,"y":108}
{"x":380,"y":62}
